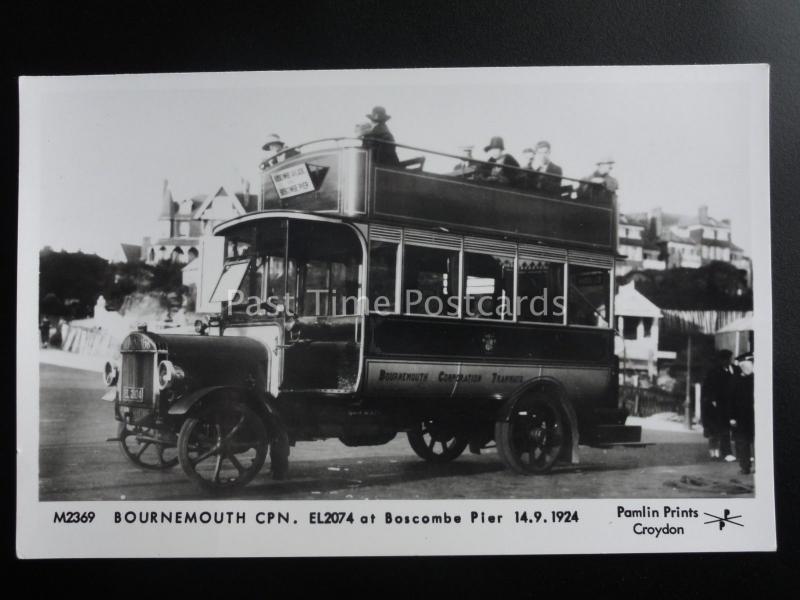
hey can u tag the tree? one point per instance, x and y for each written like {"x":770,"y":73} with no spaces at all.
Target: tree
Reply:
{"x":715,"y":286}
{"x":74,"y":278}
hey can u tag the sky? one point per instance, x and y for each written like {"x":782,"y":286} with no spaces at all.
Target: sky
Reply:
{"x":102,"y":146}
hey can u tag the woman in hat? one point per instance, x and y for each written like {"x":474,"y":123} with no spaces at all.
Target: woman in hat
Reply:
{"x":500,"y":159}
{"x":273,"y":147}
{"x":380,"y":140}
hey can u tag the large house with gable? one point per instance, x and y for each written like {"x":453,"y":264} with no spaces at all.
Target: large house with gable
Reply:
{"x":185,"y":222}
{"x":659,"y":240}
{"x":187,"y":237}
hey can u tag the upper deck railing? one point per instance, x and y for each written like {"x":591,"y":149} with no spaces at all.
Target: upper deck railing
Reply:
{"x":569,"y":186}
{"x":423,"y":187}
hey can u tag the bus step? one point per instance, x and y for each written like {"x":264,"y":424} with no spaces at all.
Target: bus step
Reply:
{"x":602,"y":435}
{"x":625,"y":445}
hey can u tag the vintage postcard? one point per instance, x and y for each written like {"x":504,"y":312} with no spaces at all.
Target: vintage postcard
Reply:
{"x":395,"y":312}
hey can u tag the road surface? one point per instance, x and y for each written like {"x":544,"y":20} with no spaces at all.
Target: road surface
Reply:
{"x":77,"y":463}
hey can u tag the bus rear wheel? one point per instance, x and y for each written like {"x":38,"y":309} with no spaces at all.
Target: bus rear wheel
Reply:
{"x":533,"y":436}
{"x":436,"y":441}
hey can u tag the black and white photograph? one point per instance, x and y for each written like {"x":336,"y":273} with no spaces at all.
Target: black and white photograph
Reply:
{"x":453,"y":303}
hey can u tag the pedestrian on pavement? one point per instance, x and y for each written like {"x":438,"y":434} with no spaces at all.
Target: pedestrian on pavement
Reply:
{"x":717,"y":390}
{"x":44,"y":331}
{"x":742,"y":418}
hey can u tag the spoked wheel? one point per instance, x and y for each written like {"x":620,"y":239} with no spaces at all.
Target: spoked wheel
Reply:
{"x":224,"y":446}
{"x":436,"y":441}
{"x":533,"y":437}
{"x":148,"y":448}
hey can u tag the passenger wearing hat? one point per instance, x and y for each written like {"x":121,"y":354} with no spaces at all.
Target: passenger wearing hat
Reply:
{"x":379,"y":139}
{"x":546,"y":175}
{"x":273,"y":147}
{"x":602,"y":176}
{"x":465,"y":164}
{"x":500,"y":159}
{"x":742,"y":418}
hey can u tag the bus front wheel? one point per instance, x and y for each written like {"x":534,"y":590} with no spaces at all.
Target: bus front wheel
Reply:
{"x":533,"y":436}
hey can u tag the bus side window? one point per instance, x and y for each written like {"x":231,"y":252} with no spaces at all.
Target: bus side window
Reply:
{"x":430,"y":281}
{"x":488,"y":286}
{"x":382,"y":275}
{"x":540,"y":291}
{"x":589,"y":295}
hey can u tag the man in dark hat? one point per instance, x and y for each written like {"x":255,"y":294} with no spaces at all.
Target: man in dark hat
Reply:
{"x":380,"y":140}
{"x":546,"y":175}
{"x":742,"y":418}
{"x":274,"y":147}
{"x":500,"y":159}
{"x":718,"y":387}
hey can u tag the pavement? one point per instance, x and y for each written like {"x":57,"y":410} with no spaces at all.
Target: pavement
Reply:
{"x":77,"y":463}
{"x":84,"y":362}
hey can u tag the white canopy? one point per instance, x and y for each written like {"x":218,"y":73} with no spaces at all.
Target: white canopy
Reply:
{"x":630,"y":303}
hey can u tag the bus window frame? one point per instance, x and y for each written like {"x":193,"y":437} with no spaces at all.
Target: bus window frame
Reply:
{"x":565,"y":273}
{"x":610,"y":314}
{"x":463,"y":287}
{"x":517,"y":256}
{"x":398,"y":278}
{"x":402,"y":274}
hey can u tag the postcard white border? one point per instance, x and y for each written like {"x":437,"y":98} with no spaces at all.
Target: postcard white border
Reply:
{"x":598,"y":531}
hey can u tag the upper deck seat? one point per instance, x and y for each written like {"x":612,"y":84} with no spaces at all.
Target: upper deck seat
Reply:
{"x":413,"y":164}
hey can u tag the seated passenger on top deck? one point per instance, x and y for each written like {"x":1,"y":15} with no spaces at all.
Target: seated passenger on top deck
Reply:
{"x":500,"y":159}
{"x":601,"y":176}
{"x":465,"y":167}
{"x":379,"y":139}
{"x":545,"y":175}
{"x":272,"y":147}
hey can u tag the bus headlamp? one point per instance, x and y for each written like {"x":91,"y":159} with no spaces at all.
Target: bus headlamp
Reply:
{"x":168,"y":374}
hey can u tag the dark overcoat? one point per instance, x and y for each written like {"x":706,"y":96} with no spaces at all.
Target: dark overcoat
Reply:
{"x":742,"y":407}
{"x":716,"y":398}
{"x":382,"y":153}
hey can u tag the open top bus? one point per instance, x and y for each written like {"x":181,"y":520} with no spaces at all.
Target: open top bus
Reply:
{"x":361,"y":300}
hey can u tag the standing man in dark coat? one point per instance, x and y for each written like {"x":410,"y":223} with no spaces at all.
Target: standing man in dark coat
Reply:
{"x":742,"y":417}
{"x":500,"y":159}
{"x":715,"y":401}
{"x":380,"y":140}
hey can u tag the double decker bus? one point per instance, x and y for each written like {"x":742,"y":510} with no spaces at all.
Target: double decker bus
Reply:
{"x":361,"y":300}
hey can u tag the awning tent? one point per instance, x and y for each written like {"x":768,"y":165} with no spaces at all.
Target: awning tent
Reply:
{"x":736,"y":336}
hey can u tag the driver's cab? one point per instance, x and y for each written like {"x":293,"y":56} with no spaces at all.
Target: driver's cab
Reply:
{"x":296,"y":284}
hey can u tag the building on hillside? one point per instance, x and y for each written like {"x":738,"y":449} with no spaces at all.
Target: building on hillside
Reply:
{"x":186,"y":237}
{"x":636,"y":342}
{"x":634,"y":244}
{"x":673,"y":241}
{"x":184,"y":223}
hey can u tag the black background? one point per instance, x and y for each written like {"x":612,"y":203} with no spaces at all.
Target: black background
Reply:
{"x":140,"y":37}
